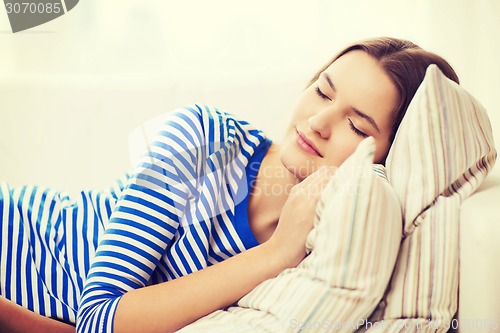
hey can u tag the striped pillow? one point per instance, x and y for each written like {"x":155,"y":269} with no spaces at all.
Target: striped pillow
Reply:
{"x":444,"y":146}
{"x":442,"y":152}
{"x":353,"y":249}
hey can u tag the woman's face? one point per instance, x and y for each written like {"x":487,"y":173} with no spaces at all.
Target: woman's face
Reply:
{"x":352,"y":99}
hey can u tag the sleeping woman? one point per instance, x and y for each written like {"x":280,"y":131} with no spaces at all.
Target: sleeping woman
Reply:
{"x":199,"y":222}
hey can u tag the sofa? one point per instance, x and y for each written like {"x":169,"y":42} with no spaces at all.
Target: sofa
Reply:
{"x":72,"y":133}
{"x":479,"y":304}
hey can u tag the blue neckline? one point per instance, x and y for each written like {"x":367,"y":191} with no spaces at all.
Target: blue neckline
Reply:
{"x":241,"y":222}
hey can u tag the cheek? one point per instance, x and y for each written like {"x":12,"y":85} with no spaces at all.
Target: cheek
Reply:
{"x":290,"y":159}
{"x":382,"y":149}
{"x":343,"y":144}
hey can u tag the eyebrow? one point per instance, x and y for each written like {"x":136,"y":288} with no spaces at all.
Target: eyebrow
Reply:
{"x":356,"y":111}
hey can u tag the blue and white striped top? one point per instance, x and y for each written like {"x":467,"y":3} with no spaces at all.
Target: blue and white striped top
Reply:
{"x":182,"y":209}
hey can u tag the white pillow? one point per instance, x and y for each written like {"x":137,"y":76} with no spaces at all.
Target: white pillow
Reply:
{"x":441,"y":153}
{"x":444,"y":145}
{"x":353,"y":245}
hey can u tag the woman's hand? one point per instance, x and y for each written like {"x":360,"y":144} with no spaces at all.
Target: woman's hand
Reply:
{"x":297,"y":217}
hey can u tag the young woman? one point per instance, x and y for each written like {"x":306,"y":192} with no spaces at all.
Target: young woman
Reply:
{"x":214,"y":209}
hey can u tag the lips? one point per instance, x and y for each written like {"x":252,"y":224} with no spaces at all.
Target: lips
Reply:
{"x":307,"y":145}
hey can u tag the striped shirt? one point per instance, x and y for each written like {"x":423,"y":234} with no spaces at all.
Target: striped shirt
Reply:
{"x":183,"y":208}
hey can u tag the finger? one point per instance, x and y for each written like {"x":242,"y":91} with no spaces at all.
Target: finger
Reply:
{"x":314,"y":185}
{"x":320,"y":178}
{"x":316,"y":176}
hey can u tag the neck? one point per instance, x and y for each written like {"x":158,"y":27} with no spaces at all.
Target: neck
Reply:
{"x":269,"y":194}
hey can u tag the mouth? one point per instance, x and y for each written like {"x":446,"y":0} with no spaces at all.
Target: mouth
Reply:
{"x":306,"y":145}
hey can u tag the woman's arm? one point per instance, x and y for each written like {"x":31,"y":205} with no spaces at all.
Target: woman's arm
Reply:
{"x":147,"y":217}
{"x":170,"y":306}
{"x":16,"y":319}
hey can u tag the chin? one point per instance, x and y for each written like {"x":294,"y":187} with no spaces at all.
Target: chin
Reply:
{"x":299,"y":166}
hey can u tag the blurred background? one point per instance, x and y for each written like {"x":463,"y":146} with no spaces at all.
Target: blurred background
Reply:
{"x":73,"y":89}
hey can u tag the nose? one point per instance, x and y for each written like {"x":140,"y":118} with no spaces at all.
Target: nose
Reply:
{"x":323,"y":122}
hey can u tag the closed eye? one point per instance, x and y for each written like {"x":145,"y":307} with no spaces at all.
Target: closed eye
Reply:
{"x":356,"y":130}
{"x":322,"y":95}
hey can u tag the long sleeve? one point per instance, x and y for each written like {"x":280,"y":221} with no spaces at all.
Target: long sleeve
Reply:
{"x":144,"y":221}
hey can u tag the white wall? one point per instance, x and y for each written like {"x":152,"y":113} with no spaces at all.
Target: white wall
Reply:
{"x":71,"y":90}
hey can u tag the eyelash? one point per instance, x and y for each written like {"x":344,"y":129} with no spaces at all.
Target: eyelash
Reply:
{"x":355,"y":130}
{"x":322,"y":95}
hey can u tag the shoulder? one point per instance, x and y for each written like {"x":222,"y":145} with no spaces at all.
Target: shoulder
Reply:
{"x":207,"y":115}
{"x":211,"y":124}
{"x":192,"y":128}
{"x":201,"y":114}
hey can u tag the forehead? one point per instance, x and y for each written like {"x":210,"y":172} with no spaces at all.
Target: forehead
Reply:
{"x":361,"y":82}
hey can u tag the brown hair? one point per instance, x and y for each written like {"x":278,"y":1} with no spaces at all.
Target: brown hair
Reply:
{"x":404,"y":62}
